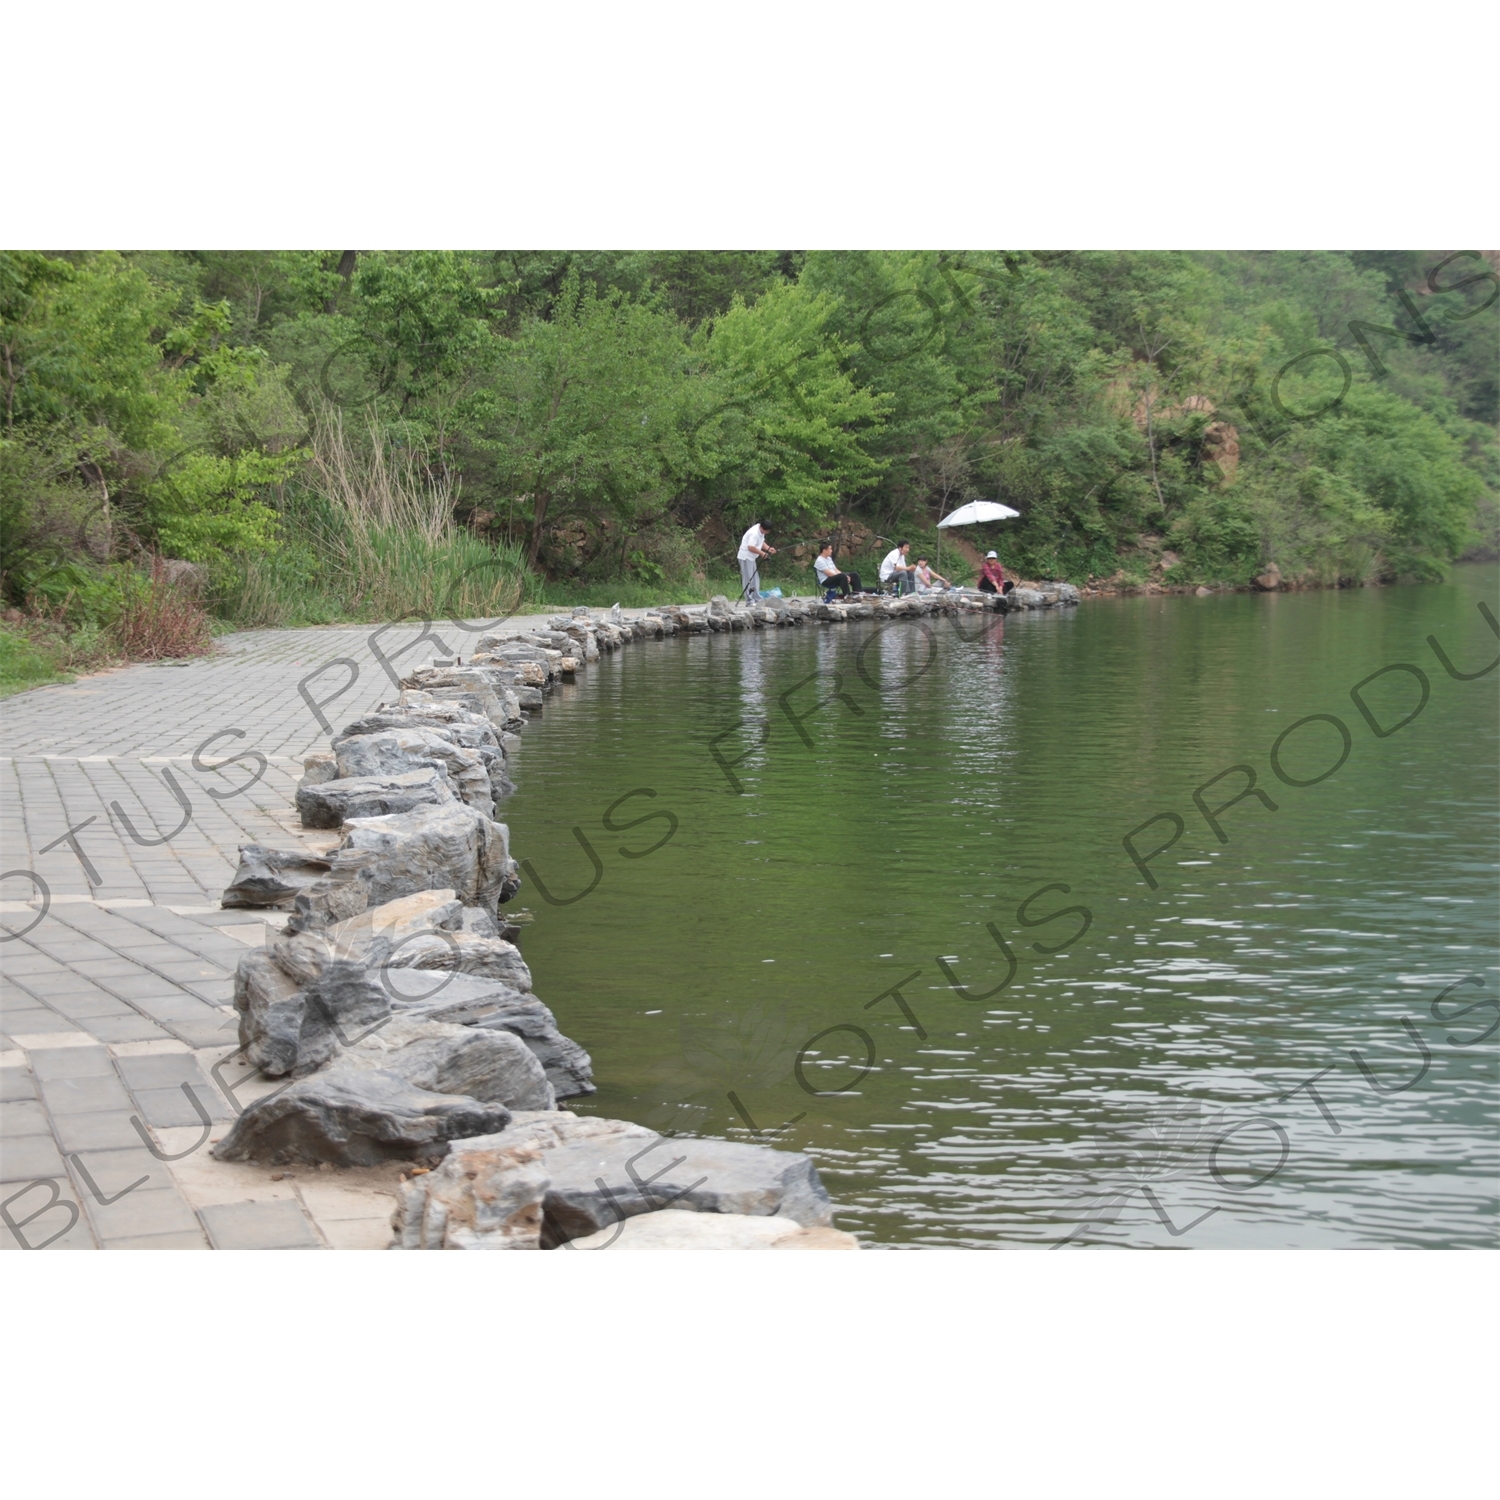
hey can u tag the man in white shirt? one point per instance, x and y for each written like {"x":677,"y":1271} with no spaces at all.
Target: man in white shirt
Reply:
{"x":753,"y":547}
{"x":829,"y":576}
{"x":894,"y":565}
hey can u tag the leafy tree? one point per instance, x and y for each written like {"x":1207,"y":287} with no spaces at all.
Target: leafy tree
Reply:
{"x":581,"y":411}
{"x":781,"y":426}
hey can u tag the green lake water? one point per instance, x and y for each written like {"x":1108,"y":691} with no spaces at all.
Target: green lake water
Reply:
{"x":1146,"y":1073}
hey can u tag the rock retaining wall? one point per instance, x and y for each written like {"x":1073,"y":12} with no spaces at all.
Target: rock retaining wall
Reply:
{"x":398,"y":1008}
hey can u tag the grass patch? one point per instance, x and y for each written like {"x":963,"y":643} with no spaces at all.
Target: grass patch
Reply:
{"x":24,"y":663}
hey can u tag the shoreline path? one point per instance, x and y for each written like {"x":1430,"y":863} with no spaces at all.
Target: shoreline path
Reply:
{"x":116,"y":1006}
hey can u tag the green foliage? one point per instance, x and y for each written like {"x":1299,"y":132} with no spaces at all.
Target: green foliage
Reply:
{"x":582,"y":416}
{"x":208,"y":507}
{"x":26,"y":663}
{"x":609,"y":418}
{"x":781,"y":423}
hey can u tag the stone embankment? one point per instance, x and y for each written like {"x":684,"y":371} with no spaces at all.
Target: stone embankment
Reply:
{"x":399,"y":1011}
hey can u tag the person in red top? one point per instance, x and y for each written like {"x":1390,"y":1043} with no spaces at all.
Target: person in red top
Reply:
{"x":992,"y":578}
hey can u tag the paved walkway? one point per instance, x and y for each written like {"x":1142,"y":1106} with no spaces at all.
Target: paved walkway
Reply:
{"x":117,"y":1035}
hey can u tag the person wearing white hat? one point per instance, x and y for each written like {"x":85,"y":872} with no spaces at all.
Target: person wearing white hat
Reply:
{"x":992,"y":578}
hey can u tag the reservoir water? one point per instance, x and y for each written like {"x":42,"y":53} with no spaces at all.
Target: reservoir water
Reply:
{"x":857,"y":941}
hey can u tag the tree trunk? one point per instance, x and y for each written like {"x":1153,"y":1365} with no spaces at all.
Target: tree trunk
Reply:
{"x":346,"y":271}
{"x":1151,"y":444}
{"x":539,"y":516}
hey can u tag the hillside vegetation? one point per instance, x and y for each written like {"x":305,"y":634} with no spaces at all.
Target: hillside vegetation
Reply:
{"x":362,"y":435}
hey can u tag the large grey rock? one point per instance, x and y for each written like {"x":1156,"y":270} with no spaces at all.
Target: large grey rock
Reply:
{"x":440,"y":681}
{"x":486,"y":1004}
{"x":468,"y":729}
{"x":450,"y":847}
{"x":595,"y":1184}
{"x":491,"y":1066}
{"x":370,"y":938}
{"x":669,"y":1229}
{"x":1063,"y":593}
{"x":464,"y":953}
{"x":271,"y":1013}
{"x":356,"y":1116}
{"x":272,"y":877}
{"x":484,"y":1195}
{"x":320,"y":766}
{"x":291,"y":1026}
{"x":464,"y":725}
{"x":331,"y":804}
{"x":392,"y":752}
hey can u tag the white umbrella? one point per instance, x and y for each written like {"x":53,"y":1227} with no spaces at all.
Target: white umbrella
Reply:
{"x":972,"y":513}
{"x":979,"y":510}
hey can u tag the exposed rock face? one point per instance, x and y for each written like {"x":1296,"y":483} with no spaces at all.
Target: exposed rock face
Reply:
{"x":288,"y":1026}
{"x":464,"y":953}
{"x":331,"y":804}
{"x":483,"y":1196}
{"x":372,"y":937}
{"x":315,"y":992}
{"x":272,"y":877}
{"x":321,"y":765}
{"x":491,"y":1066}
{"x":1221,"y":445}
{"x":489,"y":1005}
{"x":381,"y":858}
{"x":561,"y":1161}
{"x":271,"y":1015}
{"x":1270,"y":580}
{"x":403,"y":1090}
{"x":667,"y":1229}
{"x":392,"y":752}
{"x":356,"y":1117}
{"x":597,"y":1183}
{"x":489,"y":1193}
{"x":441,"y":681}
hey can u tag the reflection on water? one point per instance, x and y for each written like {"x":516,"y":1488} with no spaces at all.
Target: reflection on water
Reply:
{"x":1246,"y":1055}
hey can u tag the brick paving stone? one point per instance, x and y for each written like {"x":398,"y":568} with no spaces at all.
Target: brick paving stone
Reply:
{"x":161,"y":1002}
{"x":215,"y":1029}
{"x":113,"y":1171}
{"x":24,"y":1117}
{"x":72,"y":1062}
{"x":277,"y":1225}
{"x":16,"y":1083}
{"x":83,"y":1096}
{"x":161,"y":1070}
{"x":52,"y":1220}
{"x":97,"y":1131}
{"x":86,"y":1009}
{"x":164,"y":1107}
{"x":28,"y":1021}
{"x":142,"y":1212}
{"x":51,"y":987}
{"x":23,"y":1157}
{"x":132,"y":1028}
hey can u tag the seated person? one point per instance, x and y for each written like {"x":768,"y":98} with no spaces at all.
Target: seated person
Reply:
{"x":992,"y":579}
{"x":829,"y":577}
{"x":894,"y":567}
{"x":927,"y":580}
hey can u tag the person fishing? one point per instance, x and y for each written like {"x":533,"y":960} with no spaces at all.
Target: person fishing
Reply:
{"x":829,"y":576}
{"x":753,"y":547}
{"x":895,"y":566}
{"x":992,"y":579}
